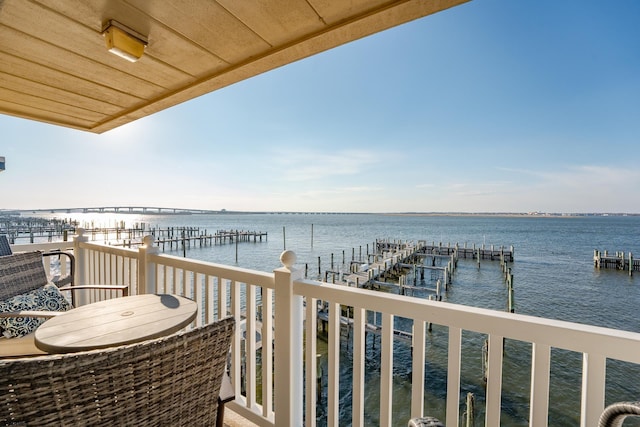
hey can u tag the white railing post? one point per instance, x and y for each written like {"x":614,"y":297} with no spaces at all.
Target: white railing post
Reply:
{"x":146,"y":269}
{"x":289,"y":405}
{"x":80,"y":297}
{"x":594,"y":373}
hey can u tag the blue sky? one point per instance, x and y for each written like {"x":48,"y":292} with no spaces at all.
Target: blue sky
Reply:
{"x":492,"y":106}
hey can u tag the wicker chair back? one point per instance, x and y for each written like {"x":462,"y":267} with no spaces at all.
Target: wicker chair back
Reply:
{"x":171,"y":381}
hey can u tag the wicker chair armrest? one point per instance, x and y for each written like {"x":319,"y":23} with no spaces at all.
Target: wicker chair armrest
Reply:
{"x":31,"y":313}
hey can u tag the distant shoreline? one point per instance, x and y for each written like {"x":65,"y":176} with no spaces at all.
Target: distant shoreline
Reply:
{"x":498,"y":214}
{"x":513,"y":215}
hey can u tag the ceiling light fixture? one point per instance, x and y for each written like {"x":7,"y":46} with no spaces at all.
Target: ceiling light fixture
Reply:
{"x":123,"y":41}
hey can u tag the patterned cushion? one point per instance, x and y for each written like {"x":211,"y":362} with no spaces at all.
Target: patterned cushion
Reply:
{"x":47,"y":298}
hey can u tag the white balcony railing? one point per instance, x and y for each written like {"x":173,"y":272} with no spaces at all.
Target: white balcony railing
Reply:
{"x":281,"y":308}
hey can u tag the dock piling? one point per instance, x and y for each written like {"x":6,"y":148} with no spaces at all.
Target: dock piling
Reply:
{"x":470,"y":411}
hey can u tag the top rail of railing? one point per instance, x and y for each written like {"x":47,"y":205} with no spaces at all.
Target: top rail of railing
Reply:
{"x":238,"y":274}
{"x":614,"y":343}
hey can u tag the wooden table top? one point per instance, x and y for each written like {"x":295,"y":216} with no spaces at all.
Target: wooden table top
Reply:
{"x":115,"y":322}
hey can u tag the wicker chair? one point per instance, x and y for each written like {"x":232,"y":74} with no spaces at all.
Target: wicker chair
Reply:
{"x":5,"y":249}
{"x":21,"y":273}
{"x":171,"y":381}
{"x":615,"y":414}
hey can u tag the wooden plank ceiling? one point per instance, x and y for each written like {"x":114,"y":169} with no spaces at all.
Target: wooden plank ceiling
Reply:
{"x":55,"y":68}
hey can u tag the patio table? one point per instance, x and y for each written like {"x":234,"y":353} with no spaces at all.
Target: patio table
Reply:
{"x":115,"y":322}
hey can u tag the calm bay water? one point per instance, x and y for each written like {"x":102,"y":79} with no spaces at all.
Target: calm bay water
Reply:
{"x":554,"y":277}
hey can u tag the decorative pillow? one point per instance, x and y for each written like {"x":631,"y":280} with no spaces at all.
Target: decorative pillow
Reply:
{"x":47,"y":298}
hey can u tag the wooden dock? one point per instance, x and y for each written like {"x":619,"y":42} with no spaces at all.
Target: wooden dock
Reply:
{"x":392,"y":257}
{"x":19,"y":230}
{"x":401,"y":261}
{"x":191,"y":237}
{"x":618,"y":261}
{"x":395,"y":259}
{"x":392,"y":264}
{"x":389,"y":258}
{"x":491,"y":253}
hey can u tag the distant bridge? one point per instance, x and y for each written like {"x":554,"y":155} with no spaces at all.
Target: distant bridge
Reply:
{"x":147,"y":210}
{"x":154,"y":210}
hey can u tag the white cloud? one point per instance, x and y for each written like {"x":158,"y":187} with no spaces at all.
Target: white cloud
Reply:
{"x":307,"y":165}
{"x":577,"y":188}
{"x":426,"y":185}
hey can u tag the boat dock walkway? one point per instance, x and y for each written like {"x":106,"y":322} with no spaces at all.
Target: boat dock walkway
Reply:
{"x":21,"y":230}
{"x":618,"y":261}
{"x":389,"y":257}
{"x":404,"y":266}
{"x":393,"y":258}
{"x":491,"y":253}
{"x":189,"y":237}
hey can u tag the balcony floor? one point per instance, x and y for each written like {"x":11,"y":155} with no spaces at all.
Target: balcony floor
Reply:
{"x":231,"y":419}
